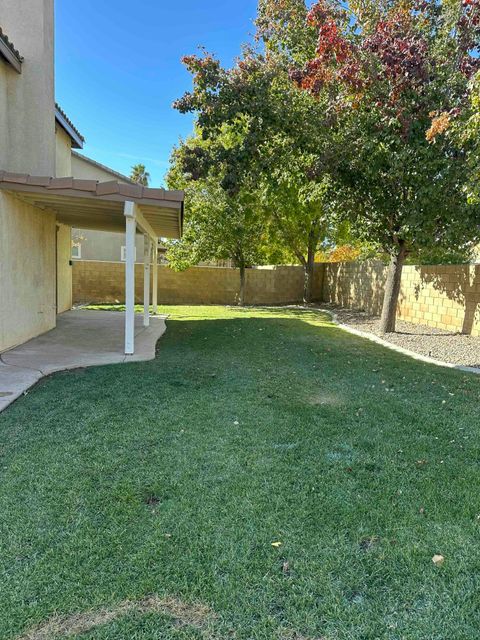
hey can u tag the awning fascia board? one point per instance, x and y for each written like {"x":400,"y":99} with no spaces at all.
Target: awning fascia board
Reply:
{"x":112,"y":197}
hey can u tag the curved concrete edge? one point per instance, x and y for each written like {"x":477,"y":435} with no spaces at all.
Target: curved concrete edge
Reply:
{"x":17,"y":380}
{"x":23,"y":366}
{"x":394,"y":347}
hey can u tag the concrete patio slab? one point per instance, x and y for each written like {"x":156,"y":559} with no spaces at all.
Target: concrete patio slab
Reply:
{"x":82,"y":338}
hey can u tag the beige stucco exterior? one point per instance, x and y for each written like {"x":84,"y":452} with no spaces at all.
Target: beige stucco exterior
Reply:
{"x":36,"y":140}
{"x":27,"y":144}
{"x":106,"y":245}
{"x":85,"y":169}
{"x":27,"y":141}
{"x":35,"y":250}
{"x":27,"y":271}
{"x":35,"y":274}
{"x":63,"y":153}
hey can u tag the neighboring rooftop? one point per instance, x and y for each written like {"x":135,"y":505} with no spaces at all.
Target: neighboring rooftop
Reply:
{"x":9,"y":53}
{"x":104,"y":167}
{"x":68,"y":126}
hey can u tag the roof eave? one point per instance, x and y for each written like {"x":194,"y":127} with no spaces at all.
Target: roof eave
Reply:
{"x":76,"y":138}
{"x":10,"y":55}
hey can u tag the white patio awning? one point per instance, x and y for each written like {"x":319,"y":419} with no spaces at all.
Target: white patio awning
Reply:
{"x":89,"y":204}
{"x":110,"y":206}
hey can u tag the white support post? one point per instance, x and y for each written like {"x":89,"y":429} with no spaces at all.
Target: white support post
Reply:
{"x":155,"y":278}
{"x":130,"y":230}
{"x":147,"y":252}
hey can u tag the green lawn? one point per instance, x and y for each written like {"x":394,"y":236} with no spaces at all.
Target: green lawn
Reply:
{"x":173,"y":478}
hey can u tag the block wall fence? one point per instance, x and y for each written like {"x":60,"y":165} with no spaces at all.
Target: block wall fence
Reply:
{"x":104,"y":282}
{"x":445,"y":296}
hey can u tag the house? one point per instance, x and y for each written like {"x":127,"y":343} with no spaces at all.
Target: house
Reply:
{"x":47,"y":187}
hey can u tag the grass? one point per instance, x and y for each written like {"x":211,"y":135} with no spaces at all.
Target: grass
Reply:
{"x":173,"y":478}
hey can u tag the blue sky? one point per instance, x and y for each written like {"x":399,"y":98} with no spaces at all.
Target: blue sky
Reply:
{"x":118,"y":70}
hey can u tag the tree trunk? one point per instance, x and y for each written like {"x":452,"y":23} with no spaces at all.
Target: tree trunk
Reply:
{"x":392,"y":289}
{"x":308,"y":270}
{"x":241,"y":298}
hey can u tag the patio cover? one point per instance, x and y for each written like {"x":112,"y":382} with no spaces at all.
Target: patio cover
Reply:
{"x":89,"y":204}
{"x":110,"y":206}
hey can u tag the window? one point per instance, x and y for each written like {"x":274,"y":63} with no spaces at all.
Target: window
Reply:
{"x":77,"y":251}
{"x":123,"y":254}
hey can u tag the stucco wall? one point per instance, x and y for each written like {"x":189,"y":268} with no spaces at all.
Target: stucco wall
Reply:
{"x":85,"y":170}
{"x":99,"y":282}
{"x":64,"y":270}
{"x":444,"y":296}
{"x":63,"y":153}
{"x":28,"y":110}
{"x":27,"y":271}
{"x":5,"y":72}
{"x":106,"y":245}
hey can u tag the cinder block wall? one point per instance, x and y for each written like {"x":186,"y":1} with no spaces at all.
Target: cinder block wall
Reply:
{"x":104,"y":282}
{"x":445,"y":296}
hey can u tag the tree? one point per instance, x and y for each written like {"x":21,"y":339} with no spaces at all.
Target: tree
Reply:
{"x":218,"y":225}
{"x":466,"y":131}
{"x":258,"y":101}
{"x":395,"y":74}
{"x":377,"y":82}
{"x":140,"y":175}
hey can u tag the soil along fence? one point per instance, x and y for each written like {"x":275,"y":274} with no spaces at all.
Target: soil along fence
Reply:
{"x":104,"y":282}
{"x":445,"y":296}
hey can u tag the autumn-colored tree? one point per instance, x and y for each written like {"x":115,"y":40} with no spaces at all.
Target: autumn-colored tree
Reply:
{"x":397,"y":73}
{"x":378,"y":82}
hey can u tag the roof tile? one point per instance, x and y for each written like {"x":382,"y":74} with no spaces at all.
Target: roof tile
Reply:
{"x":68,"y":121}
{"x":4,"y":38}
